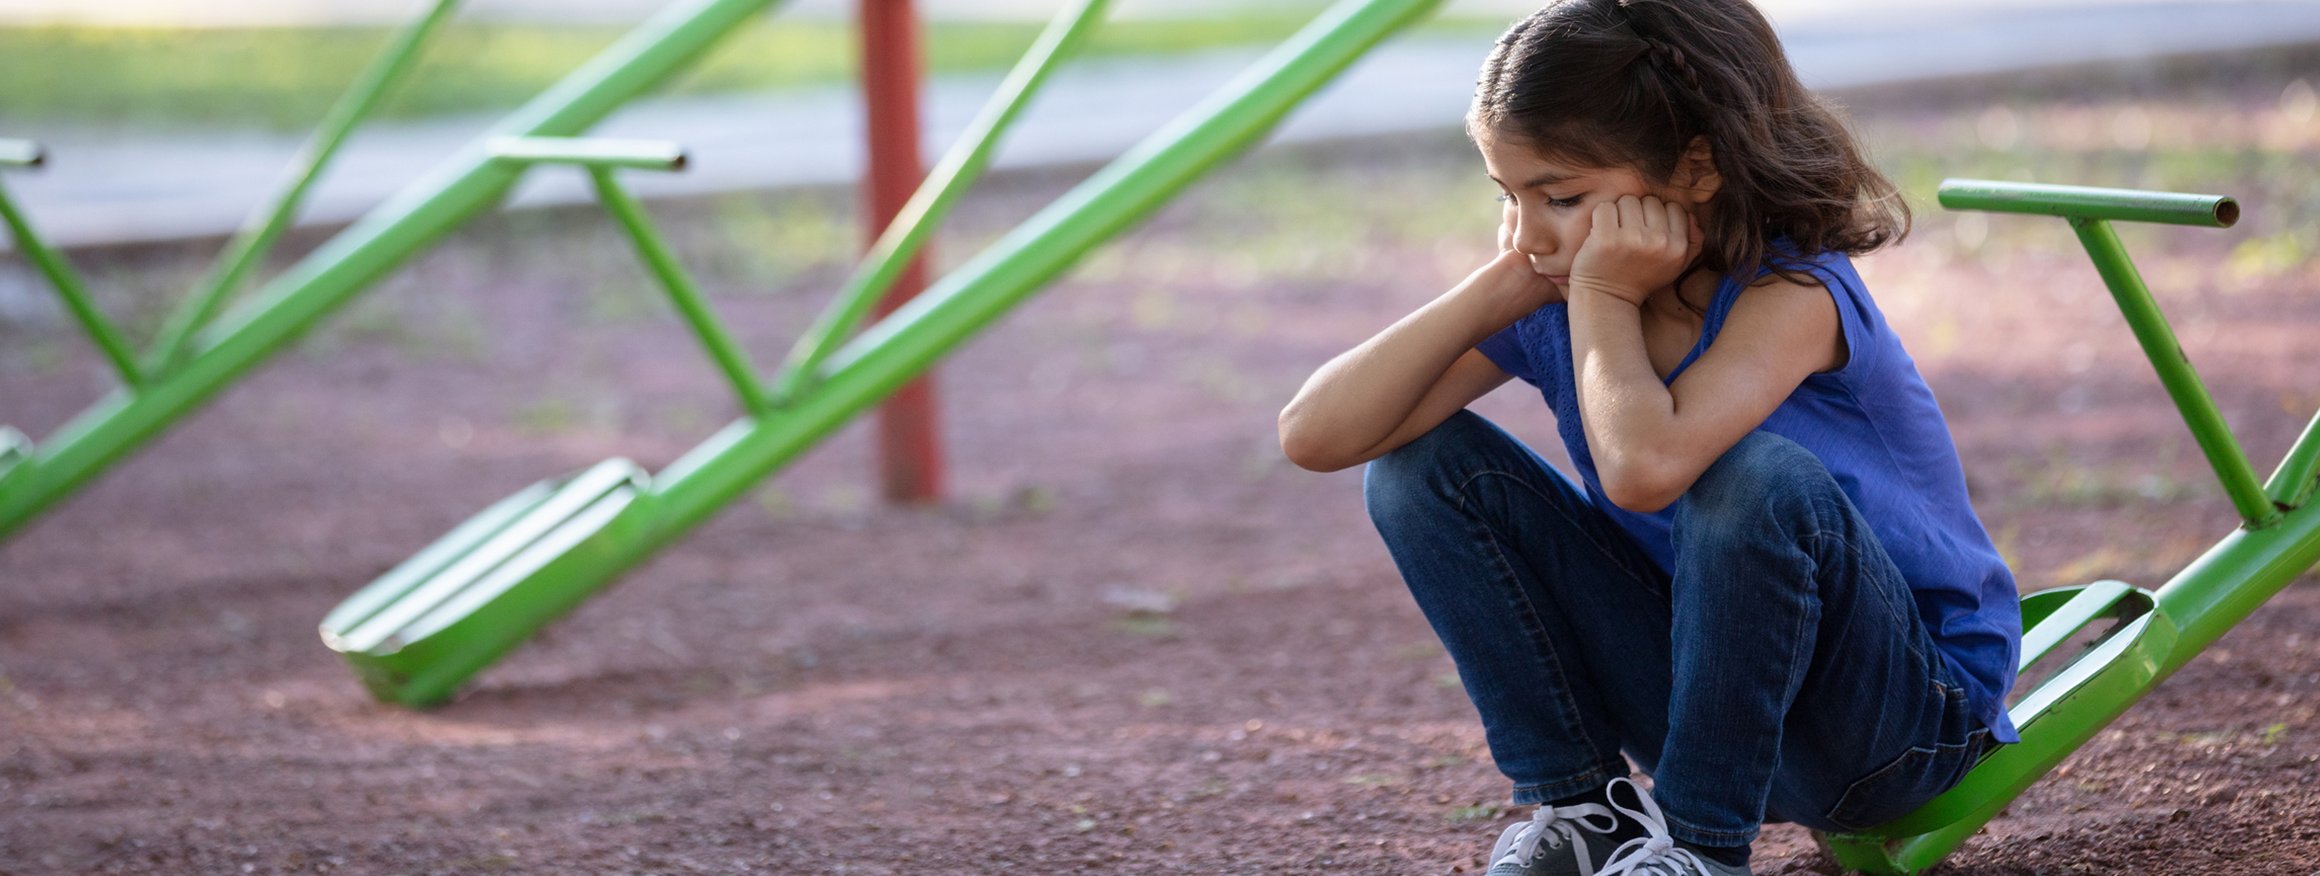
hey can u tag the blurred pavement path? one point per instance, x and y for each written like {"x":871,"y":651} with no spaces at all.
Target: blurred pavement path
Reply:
{"x":106,"y":187}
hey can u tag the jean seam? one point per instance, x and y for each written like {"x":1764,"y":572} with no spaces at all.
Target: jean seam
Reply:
{"x":1566,"y":709}
{"x":1577,"y":525}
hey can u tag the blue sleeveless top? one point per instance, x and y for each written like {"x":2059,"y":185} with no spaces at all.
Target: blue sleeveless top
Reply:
{"x":1874,"y":424}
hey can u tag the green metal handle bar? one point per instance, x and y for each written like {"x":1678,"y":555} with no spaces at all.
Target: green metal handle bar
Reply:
{"x":2088,"y":211}
{"x":21,"y":153}
{"x":60,"y":273}
{"x":264,"y":227}
{"x":600,"y":157}
{"x":918,"y":219}
{"x":327,"y":278}
{"x":2088,"y":202}
{"x":589,"y":152}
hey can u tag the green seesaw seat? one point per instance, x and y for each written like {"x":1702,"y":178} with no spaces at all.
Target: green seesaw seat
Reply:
{"x":453,"y":608}
{"x":2149,"y":634}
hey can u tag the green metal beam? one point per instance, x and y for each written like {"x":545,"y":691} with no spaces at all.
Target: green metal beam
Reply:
{"x":691,"y":304}
{"x":366,"y":251}
{"x":2175,"y":371}
{"x":68,"y":285}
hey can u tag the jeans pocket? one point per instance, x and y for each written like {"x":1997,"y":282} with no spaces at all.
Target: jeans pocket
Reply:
{"x":1918,"y":775}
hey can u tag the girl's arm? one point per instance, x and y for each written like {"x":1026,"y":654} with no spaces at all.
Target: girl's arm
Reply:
{"x":1407,"y":379}
{"x":1651,"y":440}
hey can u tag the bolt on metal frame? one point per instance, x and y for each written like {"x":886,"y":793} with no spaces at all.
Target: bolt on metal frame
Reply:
{"x":2153,"y":632}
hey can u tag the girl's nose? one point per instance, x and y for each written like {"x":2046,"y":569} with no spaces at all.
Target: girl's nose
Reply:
{"x":1531,"y":238}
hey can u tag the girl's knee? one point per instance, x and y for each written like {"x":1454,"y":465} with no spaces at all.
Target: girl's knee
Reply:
{"x":1763,"y":479}
{"x":1420,"y":474}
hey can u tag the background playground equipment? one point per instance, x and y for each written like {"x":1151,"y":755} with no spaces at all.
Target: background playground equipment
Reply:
{"x":2151,"y":633}
{"x":425,"y":627}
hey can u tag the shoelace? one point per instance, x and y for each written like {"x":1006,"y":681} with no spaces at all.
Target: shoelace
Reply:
{"x":1556,"y":825}
{"x":1653,"y":853}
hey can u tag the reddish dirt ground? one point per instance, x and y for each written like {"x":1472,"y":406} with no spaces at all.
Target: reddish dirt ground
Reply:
{"x":1135,"y":640}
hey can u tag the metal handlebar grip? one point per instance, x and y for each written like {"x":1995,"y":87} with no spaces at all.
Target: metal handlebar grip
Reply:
{"x":2087,"y":202}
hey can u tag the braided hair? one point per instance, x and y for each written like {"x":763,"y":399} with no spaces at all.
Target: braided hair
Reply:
{"x":1639,"y":83}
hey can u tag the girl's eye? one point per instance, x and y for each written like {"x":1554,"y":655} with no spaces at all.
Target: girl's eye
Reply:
{"x":1571,"y":201}
{"x":1505,"y":198}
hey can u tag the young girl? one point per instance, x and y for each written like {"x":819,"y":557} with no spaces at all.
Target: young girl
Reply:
{"x":1767,"y":587}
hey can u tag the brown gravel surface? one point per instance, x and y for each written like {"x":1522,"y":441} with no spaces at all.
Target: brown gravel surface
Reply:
{"x":1134,"y":640}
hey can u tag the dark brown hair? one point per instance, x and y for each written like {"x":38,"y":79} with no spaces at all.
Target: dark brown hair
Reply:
{"x":1632,"y":83}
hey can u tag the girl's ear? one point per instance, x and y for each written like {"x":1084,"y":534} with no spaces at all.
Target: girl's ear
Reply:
{"x":1696,"y":171}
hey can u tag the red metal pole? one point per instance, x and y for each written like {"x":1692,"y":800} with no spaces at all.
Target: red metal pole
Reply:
{"x":909,"y":446}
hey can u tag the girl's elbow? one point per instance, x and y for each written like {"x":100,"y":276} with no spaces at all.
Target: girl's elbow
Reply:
{"x":1308,"y":449}
{"x":1639,"y":487}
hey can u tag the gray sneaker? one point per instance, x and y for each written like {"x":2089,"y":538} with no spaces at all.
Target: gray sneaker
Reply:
{"x":1655,"y":853}
{"x":1557,"y":841}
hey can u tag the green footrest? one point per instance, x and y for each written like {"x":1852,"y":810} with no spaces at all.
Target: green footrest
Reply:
{"x":425,"y":626}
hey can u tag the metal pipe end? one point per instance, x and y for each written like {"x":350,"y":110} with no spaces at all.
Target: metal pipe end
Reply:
{"x":2226,"y":213}
{"x":22,"y":153}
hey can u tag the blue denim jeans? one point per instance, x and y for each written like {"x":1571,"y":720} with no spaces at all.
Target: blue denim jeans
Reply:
{"x":1777,"y":672}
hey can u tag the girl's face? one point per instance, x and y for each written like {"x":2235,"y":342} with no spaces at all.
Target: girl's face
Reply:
{"x":1550,"y":206}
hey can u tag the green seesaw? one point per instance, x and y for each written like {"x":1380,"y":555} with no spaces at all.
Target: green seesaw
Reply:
{"x":417,"y":633}
{"x":2140,"y":636}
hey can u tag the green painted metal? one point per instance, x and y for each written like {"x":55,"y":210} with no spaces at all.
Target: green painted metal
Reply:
{"x":21,"y":153}
{"x":417,"y":631}
{"x":589,"y":152}
{"x":2175,"y":372}
{"x":326,"y":279}
{"x":2158,"y":631}
{"x":919,"y":218}
{"x":256,"y":237}
{"x":879,"y":360}
{"x":690,"y":302}
{"x":2293,"y":482}
{"x":2088,"y":202}
{"x":600,"y":157}
{"x":68,"y":286}
{"x":2089,"y":211}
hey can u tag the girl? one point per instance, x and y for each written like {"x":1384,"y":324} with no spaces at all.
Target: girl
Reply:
{"x":1767,"y":587}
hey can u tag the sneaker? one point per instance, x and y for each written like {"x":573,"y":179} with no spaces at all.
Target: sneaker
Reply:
{"x":1551,"y":843}
{"x":1655,"y":853}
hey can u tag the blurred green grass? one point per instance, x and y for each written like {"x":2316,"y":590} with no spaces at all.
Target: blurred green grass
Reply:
{"x":285,"y":78}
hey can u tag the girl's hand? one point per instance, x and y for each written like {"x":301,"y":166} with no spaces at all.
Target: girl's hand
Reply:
{"x":1515,"y":284}
{"x":1637,"y":246}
